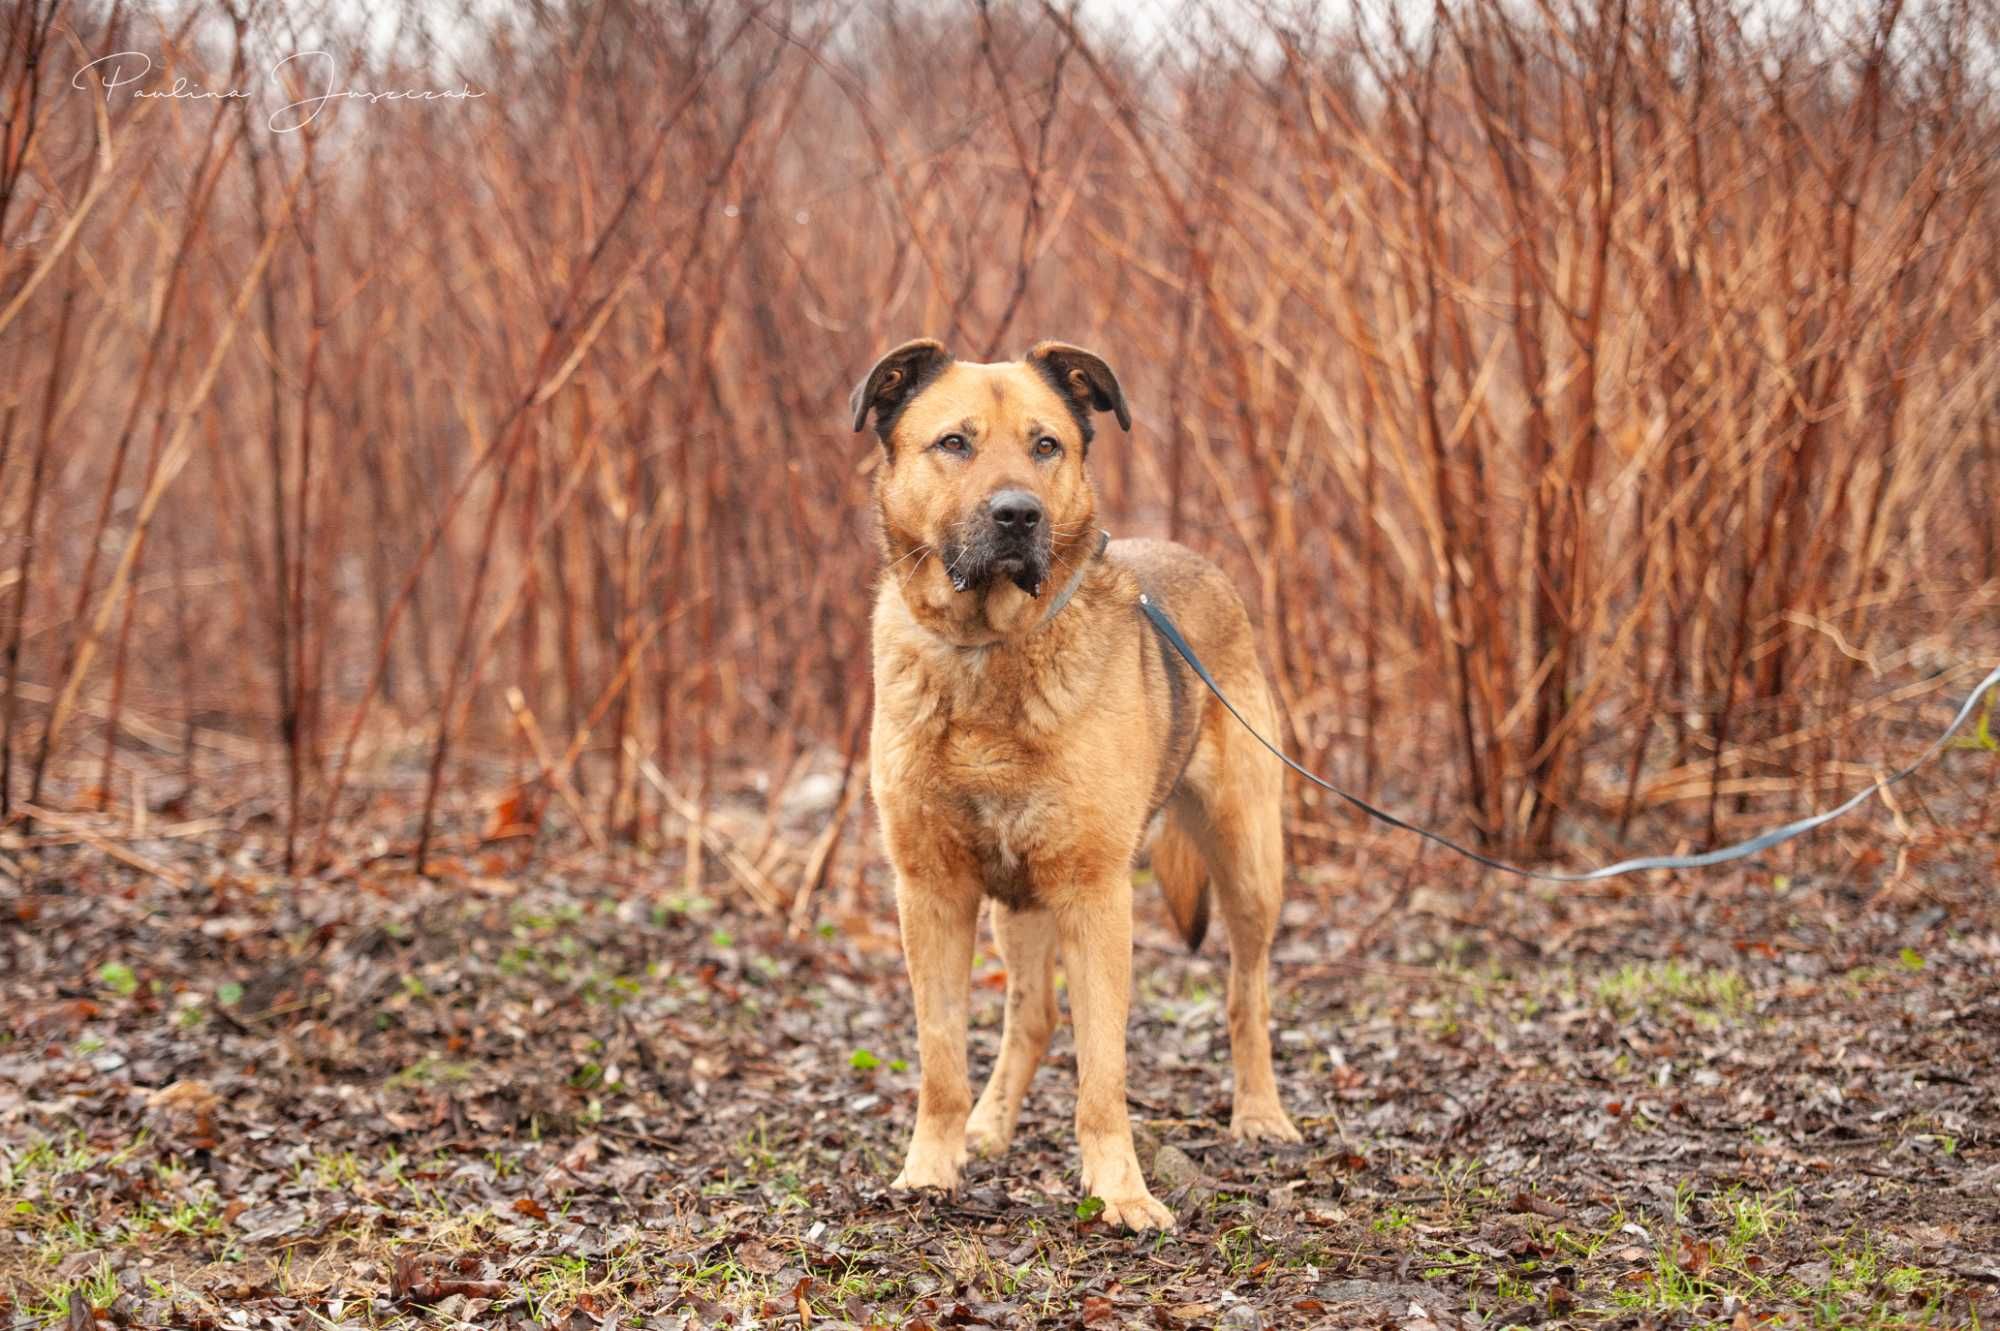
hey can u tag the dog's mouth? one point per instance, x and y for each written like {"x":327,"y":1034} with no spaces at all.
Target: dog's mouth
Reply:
{"x":979,"y":564}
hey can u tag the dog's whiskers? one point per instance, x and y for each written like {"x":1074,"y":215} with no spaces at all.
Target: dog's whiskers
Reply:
{"x":923,"y":553}
{"x":952,"y":571}
{"x":1057,"y":564}
{"x":918,"y":553}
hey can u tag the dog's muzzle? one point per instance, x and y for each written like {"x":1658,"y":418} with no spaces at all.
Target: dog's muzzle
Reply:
{"x":1008,"y":537}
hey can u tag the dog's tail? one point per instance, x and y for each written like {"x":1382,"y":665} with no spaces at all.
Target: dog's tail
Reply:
{"x":1183,"y":876}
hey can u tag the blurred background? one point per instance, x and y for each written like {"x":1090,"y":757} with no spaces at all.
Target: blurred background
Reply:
{"x":1596,"y":403}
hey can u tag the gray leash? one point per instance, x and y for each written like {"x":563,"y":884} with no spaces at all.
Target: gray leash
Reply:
{"x":1763,"y":841}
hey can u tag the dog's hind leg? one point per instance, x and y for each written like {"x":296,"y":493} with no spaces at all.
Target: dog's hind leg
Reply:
{"x":1236,"y":821}
{"x":1027,"y":943}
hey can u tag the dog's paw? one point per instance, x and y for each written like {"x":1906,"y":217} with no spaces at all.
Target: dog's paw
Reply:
{"x":987,"y":1141}
{"x":1137,"y":1213}
{"x":988,"y":1135}
{"x":1262,"y":1123}
{"x":931,"y":1169}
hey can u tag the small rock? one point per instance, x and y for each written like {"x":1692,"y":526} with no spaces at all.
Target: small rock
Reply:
{"x":1173,"y":1169}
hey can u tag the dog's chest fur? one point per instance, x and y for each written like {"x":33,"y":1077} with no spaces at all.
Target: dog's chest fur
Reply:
{"x":1000,"y":831}
{"x":1021,"y":770}
{"x":995,"y":792}
{"x":988,"y":776}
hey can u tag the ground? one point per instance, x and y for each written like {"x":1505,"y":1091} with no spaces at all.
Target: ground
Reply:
{"x":568,"y":1092}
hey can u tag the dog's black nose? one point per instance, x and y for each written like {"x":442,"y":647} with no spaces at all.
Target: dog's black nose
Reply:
{"x":1015,"y":511}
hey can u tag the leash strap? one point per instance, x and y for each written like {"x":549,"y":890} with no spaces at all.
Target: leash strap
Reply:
{"x":1742,"y":849}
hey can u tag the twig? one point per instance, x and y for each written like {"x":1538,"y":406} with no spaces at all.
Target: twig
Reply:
{"x":103,"y":844}
{"x":766,"y":896}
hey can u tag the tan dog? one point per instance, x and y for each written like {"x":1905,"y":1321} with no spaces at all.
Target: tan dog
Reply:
{"x":1029,"y":723}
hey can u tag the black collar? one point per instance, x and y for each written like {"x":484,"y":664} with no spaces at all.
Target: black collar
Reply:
{"x":1076,"y":578}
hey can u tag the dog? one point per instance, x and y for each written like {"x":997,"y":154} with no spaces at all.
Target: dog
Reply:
{"x":1029,"y":726}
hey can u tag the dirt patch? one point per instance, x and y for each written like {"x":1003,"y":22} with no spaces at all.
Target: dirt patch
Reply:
{"x":579,"y":1098}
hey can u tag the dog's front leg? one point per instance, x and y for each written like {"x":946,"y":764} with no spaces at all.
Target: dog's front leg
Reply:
{"x":1096,"y":932}
{"x":939,"y":921}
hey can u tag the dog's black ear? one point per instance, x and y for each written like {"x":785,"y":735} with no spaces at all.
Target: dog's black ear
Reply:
{"x":1083,"y":379}
{"x":895,"y":379}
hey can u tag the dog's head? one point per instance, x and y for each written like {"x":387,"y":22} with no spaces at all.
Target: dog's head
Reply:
{"x":983,"y":484}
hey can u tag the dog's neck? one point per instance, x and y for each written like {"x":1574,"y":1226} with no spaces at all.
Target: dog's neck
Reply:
{"x":1037,"y":679}
{"x":999,"y":615}
{"x":1068,"y":589}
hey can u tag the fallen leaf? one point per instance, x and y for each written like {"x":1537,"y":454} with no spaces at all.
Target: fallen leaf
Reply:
{"x":415,"y":1283}
{"x":1527,"y":1203}
{"x":759,"y":1258}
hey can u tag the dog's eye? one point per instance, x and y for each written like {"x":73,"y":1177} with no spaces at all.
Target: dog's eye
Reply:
{"x":1047,"y":446}
{"x":954,"y":443}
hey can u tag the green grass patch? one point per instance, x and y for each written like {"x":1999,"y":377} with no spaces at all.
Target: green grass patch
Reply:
{"x":1710,"y":996}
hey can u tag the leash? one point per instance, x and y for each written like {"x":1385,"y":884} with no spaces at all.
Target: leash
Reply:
{"x":1764,"y":841}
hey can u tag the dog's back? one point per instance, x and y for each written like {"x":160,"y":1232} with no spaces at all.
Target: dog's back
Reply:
{"x":1204,"y":603}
